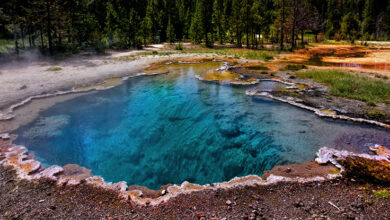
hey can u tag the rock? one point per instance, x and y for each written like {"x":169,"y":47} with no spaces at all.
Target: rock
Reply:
{"x":52,"y":207}
{"x":49,"y":173}
{"x":228,"y":202}
{"x":73,"y":175}
{"x":200,"y":214}
{"x":380,"y":150}
{"x":298,"y":204}
{"x":120,"y":186}
{"x":5,"y":136}
{"x":225,"y":66}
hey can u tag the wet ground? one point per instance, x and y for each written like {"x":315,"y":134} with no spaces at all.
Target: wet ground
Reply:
{"x":343,"y":56}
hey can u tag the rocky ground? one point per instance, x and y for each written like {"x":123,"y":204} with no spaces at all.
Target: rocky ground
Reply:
{"x":338,"y":199}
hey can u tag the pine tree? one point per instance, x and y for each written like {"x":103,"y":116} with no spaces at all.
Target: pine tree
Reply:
{"x":218,"y":20}
{"x":350,"y":27}
{"x":170,"y":32}
{"x":368,"y":23}
{"x":237,"y":21}
{"x":197,"y":30}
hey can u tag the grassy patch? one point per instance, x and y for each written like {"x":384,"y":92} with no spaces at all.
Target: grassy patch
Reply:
{"x":236,"y":53}
{"x":54,"y":68}
{"x":351,"y":86}
{"x":376,"y":113}
{"x":257,"y":55}
{"x":295,"y":67}
{"x":381,"y":194}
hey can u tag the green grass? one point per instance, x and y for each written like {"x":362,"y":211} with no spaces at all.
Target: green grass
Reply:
{"x":351,"y":86}
{"x":257,"y":55}
{"x":295,"y":67}
{"x":376,"y":113}
{"x":381,"y":194}
{"x":236,"y":53}
{"x":54,"y":68}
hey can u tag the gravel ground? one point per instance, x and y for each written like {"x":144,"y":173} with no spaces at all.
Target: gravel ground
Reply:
{"x":339,"y":199}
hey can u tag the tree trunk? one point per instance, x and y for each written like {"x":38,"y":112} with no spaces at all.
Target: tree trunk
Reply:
{"x":33,"y":39}
{"x":247,"y":28}
{"x":293,"y":26}
{"x":282,"y":28}
{"x":49,"y":27}
{"x":303,"y":40}
{"x":23,"y":38}
{"x":16,"y":40}
{"x":29,"y":40}
{"x":377,"y":25}
{"x":42,"y":45}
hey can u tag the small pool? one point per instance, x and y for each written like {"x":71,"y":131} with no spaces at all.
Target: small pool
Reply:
{"x":155,"y":130}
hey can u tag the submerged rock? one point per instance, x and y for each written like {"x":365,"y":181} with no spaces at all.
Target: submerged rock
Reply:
{"x":47,"y":127}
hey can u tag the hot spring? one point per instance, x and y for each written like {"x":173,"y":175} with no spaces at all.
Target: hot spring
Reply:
{"x":155,"y":130}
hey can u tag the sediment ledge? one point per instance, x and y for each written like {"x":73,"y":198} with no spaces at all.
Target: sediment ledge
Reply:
{"x":223,"y":75}
{"x":29,"y":169}
{"x":319,"y":112}
{"x":8,"y":114}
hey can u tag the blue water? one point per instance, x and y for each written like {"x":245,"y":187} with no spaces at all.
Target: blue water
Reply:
{"x":155,"y":130}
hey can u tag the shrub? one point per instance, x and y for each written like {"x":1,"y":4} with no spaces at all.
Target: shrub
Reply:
{"x":179,"y":46}
{"x":101,"y":45}
{"x":54,"y":68}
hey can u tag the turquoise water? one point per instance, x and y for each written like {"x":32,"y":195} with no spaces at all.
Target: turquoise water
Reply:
{"x":155,"y":130}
